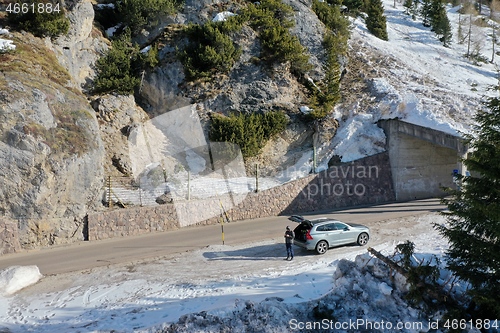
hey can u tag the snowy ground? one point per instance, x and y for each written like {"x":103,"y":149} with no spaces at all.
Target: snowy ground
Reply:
{"x":5,"y":44}
{"x":235,"y":288}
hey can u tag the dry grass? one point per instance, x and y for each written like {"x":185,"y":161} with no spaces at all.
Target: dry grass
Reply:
{"x":68,"y":138}
{"x":34,"y":58}
{"x":33,"y":66}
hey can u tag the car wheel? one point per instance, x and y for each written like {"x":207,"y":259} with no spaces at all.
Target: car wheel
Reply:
{"x":322,"y":247}
{"x":363,"y":239}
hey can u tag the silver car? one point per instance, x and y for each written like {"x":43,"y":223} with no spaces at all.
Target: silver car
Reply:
{"x":323,"y":233}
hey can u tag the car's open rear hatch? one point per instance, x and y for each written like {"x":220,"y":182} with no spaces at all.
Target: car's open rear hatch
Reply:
{"x":297,"y":218}
{"x":301,"y":230}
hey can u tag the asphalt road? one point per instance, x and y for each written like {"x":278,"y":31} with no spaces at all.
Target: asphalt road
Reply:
{"x":85,"y":255}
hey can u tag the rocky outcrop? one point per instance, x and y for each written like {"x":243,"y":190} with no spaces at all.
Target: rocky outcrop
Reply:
{"x":199,"y":12}
{"x":9,"y":236}
{"x":56,"y":147}
{"x":117,"y":116}
{"x":251,"y":86}
{"x":51,"y":160}
{"x":51,"y":153}
{"x":310,"y":31}
{"x":160,"y":91}
{"x":82,"y":46}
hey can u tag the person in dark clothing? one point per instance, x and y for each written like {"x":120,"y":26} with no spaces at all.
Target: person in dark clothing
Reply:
{"x":289,"y":236}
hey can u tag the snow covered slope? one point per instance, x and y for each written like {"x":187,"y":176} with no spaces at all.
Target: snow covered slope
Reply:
{"x":412,"y":77}
{"x":243,"y":288}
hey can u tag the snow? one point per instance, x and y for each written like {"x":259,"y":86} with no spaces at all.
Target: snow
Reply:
{"x":111,"y":31}
{"x":359,"y":137}
{"x":385,"y":289}
{"x":16,"y":278}
{"x":416,"y":79}
{"x":5,"y":44}
{"x":243,"y":287}
{"x":305,"y":109}
{"x":146,"y":49}
{"x":105,"y":5}
{"x":222,"y":16}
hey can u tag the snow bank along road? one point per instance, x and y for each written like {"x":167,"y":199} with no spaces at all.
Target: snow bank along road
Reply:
{"x":86,"y":255}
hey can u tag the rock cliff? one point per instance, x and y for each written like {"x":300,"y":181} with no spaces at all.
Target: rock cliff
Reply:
{"x":58,"y":143}
{"x":51,"y":152}
{"x":251,"y":86}
{"x":78,"y":50}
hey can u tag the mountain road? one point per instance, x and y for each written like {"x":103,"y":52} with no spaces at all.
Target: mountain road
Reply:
{"x":89,"y":254}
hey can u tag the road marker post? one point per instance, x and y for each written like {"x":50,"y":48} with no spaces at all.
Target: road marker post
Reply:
{"x":223,"y":215}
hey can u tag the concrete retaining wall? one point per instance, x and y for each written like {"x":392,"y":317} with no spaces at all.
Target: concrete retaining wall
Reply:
{"x":422,"y":159}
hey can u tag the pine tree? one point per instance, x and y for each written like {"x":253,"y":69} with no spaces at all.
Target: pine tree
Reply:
{"x":411,"y":8}
{"x":40,"y":23}
{"x":433,"y":12}
{"x":354,"y":6}
{"x":137,"y":14}
{"x":376,"y":21}
{"x":440,"y":22}
{"x":425,"y":11}
{"x":414,"y":10}
{"x":209,"y":51}
{"x":408,"y":4}
{"x":115,"y":70}
{"x":473,"y":228}
{"x":335,"y":44}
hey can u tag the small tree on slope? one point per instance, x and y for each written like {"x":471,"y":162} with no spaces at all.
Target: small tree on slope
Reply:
{"x":376,"y":22}
{"x":440,"y":22}
{"x":426,"y":12}
{"x":473,"y":228}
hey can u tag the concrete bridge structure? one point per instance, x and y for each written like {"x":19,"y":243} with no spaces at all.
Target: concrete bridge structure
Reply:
{"x":422,"y":159}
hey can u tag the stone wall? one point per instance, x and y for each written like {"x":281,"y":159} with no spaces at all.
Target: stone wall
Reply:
{"x":362,"y":182}
{"x":131,"y":221}
{"x":9,"y":236}
{"x":366,"y":181}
